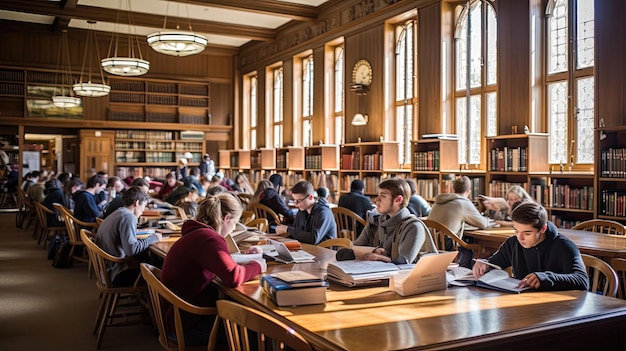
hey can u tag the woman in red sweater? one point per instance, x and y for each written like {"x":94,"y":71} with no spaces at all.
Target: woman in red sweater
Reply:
{"x":200,"y":255}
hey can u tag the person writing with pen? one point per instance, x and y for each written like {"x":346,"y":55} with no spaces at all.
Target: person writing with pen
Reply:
{"x":539,"y":256}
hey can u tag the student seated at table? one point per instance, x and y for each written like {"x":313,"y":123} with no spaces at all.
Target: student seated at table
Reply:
{"x":171,"y":183}
{"x":117,"y":235}
{"x":119,"y":202}
{"x":453,"y":210}
{"x":392,"y":233}
{"x":541,"y":257}
{"x":86,"y":205}
{"x":267,"y":195}
{"x":201,"y":255}
{"x":500,"y":209}
{"x":417,"y":205}
{"x":314,"y":221}
{"x":189,"y":203}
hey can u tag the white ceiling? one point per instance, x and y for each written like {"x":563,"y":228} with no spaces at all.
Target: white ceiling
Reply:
{"x":173,"y":10}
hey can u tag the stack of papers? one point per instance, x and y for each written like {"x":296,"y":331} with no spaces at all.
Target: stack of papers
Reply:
{"x":358,"y":273}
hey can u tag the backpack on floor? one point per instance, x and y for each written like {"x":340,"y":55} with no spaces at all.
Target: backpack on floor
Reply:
{"x":62,"y":257}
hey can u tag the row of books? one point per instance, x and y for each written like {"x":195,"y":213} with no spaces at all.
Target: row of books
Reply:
{"x":9,"y":75}
{"x":351,"y":161}
{"x":127,"y":85}
{"x":499,"y":188}
{"x":127,"y":98}
{"x":194,"y":102}
{"x":373,"y":161}
{"x":509,"y":159}
{"x":161,"y":117}
{"x":11,"y":89}
{"x":255,"y":161}
{"x":313,"y":161}
{"x":426,"y":160}
{"x":281,"y":160}
{"x":143,"y":134}
{"x":130,"y":157}
{"x":162,"y":100}
{"x":613,"y":203}
{"x":193,"y":119}
{"x":167,"y":88}
{"x":565,"y":196}
{"x":319,"y":179}
{"x":126,"y":116}
{"x":152,"y":172}
{"x":562,"y":222}
{"x":139,"y":145}
{"x":158,"y":157}
{"x":294,"y":288}
{"x":613,"y":163}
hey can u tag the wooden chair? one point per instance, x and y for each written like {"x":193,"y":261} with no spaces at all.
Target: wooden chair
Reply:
{"x":619,"y":266}
{"x":262,"y":211}
{"x":99,"y":221}
{"x":161,"y":297}
{"x":72,"y":225}
{"x":347,"y":223}
{"x":260,"y":223}
{"x":113,"y":313}
{"x":45,"y":231}
{"x":25,"y":210}
{"x":602,"y":278}
{"x":272,"y":334}
{"x":439,"y":232}
{"x":602,"y":226}
{"x":179,"y":212}
{"x":336,"y":243}
{"x":246,"y":217}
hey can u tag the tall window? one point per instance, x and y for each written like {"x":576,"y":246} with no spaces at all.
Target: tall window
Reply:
{"x":405,"y":88}
{"x":338,"y":115}
{"x":307,"y":101}
{"x":253,"y":112}
{"x":277,"y":107}
{"x":475,"y":79}
{"x":570,"y":81}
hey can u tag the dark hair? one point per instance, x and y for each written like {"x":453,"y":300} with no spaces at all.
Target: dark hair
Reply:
{"x":64,"y":177}
{"x":102,"y":173}
{"x":132,"y":194}
{"x":397,"y":187}
{"x":140,"y":182}
{"x":529,"y":212}
{"x":215,"y":190}
{"x":98,"y":179}
{"x":302,"y":187}
{"x":195,"y":171}
{"x":462,"y":184}
{"x":112,"y":180}
{"x":74,"y":181}
{"x":52,"y":184}
{"x":357,"y":185}
{"x":412,"y":185}
{"x":170,"y":175}
{"x":277,"y":180}
{"x":322,"y":192}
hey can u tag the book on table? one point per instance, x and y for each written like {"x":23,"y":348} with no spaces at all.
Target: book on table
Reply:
{"x":495,"y":279}
{"x":362,"y":272}
{"x":429,"y":274}
{"x":286,"y":294}
{"x":300,"y":279}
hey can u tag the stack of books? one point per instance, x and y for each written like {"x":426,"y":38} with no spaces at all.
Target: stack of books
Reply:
{"x":359,"y":273}
{"x":294,"y":288}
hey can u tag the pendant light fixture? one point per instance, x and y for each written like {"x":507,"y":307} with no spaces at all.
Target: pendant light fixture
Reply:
{"x":177,"y":42}
{"x":64,"y":70}
{"x":89,"y":88}
{"x":129,"y":65}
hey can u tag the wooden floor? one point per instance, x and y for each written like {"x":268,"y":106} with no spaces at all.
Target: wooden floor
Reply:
{"x":44,"y":308}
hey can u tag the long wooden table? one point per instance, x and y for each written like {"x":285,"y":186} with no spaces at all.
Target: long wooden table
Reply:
{"x":597,"y":244}
{"x":376,"y":318}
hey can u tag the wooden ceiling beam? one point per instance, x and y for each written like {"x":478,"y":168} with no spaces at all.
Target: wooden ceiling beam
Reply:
{"x":277,"y":8}
{"x":140,"y":19}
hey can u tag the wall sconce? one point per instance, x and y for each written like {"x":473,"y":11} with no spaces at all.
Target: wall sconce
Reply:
{"x":359,"y":119}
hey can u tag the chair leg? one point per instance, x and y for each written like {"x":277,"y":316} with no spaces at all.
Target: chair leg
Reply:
{"x":100,"y":313}
{"x":104,"y":320}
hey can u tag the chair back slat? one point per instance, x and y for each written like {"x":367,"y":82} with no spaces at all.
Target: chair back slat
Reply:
{"x":602,"y":278}
{"x":619,"y":266}
{"x":346,"y":221}
{"x":440,"y":231}
{"x":602,"y":226}
{"x":262,"y":211}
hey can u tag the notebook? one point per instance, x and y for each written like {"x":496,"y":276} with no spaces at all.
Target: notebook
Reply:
{"x":429,"y":274}
{"x":280,"y":253}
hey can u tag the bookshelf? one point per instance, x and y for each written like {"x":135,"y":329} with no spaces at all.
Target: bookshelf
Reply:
{"x":159,"y":101}
{"x":513,"y":160}
{"x":434,"y":162}
{"x":322,"y":167}
{"x":153,"y":153}
{"x":568,"y":197}
{"x":365,"y":161}
{"x":611,"y":174}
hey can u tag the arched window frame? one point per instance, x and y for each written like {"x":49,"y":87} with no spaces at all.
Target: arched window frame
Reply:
{"x":406,"y":87}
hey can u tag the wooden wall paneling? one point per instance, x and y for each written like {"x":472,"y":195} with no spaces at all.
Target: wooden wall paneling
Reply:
{"x":430,"y":70}
{"x":221,"y":102}
{"x":319,"y":96}
{"x":288,"y":103}
{"x":610,"y":59}
{"x":95,"y":107}
{"x":514,"y":91}
{"x":96,"y":152}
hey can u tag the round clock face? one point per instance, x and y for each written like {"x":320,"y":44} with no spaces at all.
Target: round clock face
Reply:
{"x":362,"y":73}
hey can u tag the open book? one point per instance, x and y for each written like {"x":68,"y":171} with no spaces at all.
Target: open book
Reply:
{"x":495,"y":279}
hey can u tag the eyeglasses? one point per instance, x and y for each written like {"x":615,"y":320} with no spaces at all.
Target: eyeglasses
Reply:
{"x":298,"y":201}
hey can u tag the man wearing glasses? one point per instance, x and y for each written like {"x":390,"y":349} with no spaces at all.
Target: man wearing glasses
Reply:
{"x":314,"y":221}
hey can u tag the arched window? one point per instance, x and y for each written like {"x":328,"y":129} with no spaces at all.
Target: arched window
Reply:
{"x":277,"y":107}
{"x":253,"y":112}
{"x":570,"y":81}
{"x":475,"y":79}
{"x":307,"y":101}
{"x":406,"y":97}
{"x":338,"y":113}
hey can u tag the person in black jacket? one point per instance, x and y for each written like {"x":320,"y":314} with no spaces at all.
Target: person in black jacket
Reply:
{"x":267,"y":195}
{"x":541,"y":257}
{"x":54,"y":194}
{"x":417,"y":205}
{"x":356,"y":202}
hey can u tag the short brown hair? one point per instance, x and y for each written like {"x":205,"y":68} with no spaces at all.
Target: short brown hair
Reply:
{"x":303,"y":187}
{"x":132,"y":194}
{"x":529,"y":212}
{"x":462,"y":185}
{"x":397,"y":187}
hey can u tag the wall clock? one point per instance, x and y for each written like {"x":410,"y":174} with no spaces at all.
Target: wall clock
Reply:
{"x":362,"y":73}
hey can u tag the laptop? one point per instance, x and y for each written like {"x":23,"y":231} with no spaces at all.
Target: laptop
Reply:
{"x":279,"y":252}
{"x":429,"y":274}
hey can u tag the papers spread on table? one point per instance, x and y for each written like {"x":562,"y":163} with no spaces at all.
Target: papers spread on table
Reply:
{"x":361,"y":272}
{"x":429,"y":274}
{"x":300,"y":279}
{"x":245,"y":258}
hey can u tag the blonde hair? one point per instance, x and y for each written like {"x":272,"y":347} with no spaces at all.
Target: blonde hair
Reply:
{"x":213,"y":209}
{"x":520,"y":192}
{"x":260,"y":189}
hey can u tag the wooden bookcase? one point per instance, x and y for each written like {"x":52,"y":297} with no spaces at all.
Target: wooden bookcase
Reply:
{"x":153,"y":153}
{"x":433,"y":166}
{"x":513,"y":159}
{"x":568,"y":197}
{"x":370,"y":162}
{"x":322,"y":167}
{"x":611,"y":173}
{"x":159,"y":101}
